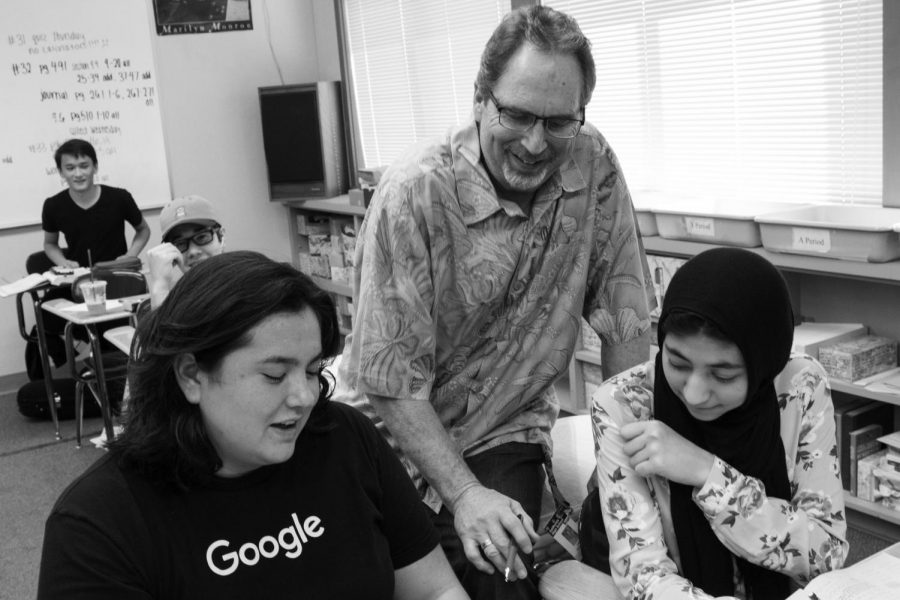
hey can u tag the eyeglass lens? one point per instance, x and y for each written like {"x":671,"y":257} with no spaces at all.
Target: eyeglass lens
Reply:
{"x":517,"y":120}
{"x":201,"y":238}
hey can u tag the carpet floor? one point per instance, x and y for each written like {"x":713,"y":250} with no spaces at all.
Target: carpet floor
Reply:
{"x":34,"y":469}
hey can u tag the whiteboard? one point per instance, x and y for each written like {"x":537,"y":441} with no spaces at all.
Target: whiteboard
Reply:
{"x":77,"y":69}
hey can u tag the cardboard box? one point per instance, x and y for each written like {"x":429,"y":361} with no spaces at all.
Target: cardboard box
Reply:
{"x":860,"y":357}
{"x":810,"y":336}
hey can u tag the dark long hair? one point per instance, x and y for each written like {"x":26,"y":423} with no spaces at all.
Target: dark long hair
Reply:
{"x":548,"y":30}
{"x":209,"y":313}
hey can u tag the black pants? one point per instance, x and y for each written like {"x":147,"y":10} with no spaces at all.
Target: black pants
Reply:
{"x":516,"y":470}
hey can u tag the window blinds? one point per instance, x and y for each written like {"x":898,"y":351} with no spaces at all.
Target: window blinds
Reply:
{"x":412,"y":67}
{"x":740,"y":99}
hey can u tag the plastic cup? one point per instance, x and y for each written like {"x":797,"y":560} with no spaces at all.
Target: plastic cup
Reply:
{"x":94,"y":293}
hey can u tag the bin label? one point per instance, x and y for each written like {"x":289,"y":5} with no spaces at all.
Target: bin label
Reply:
{"x":700,"y":227}
{"x":811,"y":240}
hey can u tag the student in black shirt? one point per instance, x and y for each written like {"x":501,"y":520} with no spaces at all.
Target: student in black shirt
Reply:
{"x":235,"y":476}
{"x":90,"y":216}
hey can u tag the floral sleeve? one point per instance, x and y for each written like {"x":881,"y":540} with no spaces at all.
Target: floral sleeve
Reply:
{"x":802,"y":536}
{"x":639,"y":559}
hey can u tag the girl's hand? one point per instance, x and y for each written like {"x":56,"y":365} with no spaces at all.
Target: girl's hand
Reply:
{"x":655,"y":449}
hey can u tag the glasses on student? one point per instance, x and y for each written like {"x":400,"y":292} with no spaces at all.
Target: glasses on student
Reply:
{"x":200,"y":238}
{"x":518,"y":120}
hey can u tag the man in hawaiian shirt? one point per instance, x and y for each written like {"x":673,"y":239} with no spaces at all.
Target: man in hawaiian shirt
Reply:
{"x":479,"y":255}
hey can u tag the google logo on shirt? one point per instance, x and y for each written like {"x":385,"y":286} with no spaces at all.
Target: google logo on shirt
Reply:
{"x":290,"y":539}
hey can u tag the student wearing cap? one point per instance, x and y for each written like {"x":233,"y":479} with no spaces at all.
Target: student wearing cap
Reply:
{"x":191,"y":233}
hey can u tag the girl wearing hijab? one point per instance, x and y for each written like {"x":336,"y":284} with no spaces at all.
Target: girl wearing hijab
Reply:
{"x":716,"y":462}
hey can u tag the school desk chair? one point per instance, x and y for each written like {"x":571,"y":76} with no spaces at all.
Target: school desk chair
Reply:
{"x":113,"y":366}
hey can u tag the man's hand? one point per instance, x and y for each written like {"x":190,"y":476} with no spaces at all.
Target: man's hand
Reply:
{"x":166,"y":263}
{"x":70,"y":264}
{"x":166,"y":268}
{"x":485,"y":521}
{"x":654,"y":448}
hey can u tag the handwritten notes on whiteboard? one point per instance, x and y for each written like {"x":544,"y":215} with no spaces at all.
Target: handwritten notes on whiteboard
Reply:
{"x":78,"y":70}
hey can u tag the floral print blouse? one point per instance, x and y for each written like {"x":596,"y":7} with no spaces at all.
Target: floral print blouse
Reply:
{"x":800,"y":537}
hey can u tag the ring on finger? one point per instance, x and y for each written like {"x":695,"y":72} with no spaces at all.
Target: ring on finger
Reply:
{"x":486,"y":544}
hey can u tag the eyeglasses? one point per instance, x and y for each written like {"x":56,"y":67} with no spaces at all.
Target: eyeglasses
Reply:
{"x":200,"y":238}
{"x":518,"y":120}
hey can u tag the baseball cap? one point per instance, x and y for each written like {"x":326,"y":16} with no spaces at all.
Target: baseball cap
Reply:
{"x":191,"y":209}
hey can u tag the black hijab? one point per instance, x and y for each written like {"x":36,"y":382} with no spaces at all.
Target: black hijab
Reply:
{"x":746,"y":298}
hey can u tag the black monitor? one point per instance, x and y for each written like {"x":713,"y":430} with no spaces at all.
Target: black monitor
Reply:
{"x":303,"y":138}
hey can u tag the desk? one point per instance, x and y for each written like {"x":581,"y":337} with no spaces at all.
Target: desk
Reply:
{"x":77,"y":314}
{"x":120,"y":337}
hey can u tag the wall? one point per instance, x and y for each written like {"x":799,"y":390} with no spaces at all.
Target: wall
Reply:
{"x":207,"y":85}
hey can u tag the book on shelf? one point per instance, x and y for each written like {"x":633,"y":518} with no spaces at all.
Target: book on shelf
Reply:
{"x":863,"y":442}
{"x":877,"y":576}
{"x":842,"y":404}
{"x":850,"y":414}
{"x":866,"y":483}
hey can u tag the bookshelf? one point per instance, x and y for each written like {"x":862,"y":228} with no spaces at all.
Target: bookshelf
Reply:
{"x":322,"y":233}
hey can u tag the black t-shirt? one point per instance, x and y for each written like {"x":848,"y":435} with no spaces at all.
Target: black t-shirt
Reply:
{"x":334,"y":521}
{"x":100,"y":228}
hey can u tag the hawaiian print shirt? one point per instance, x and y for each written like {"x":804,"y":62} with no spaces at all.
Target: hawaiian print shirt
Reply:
{"x":468,"y":303}
{"x":800,"y":537}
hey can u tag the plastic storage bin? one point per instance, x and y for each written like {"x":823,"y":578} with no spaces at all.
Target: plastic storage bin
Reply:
{"x":646,"y":221}
{"x":863,"y":233}
{"x":729,"y":223}
{"x":644,"y":201}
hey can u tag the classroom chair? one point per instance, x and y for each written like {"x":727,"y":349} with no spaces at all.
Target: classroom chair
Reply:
{"x":119,"y":284}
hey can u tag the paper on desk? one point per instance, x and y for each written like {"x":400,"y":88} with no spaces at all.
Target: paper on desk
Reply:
{"x":35,"y":279}
{"x":22,"y":285}
{"x":874,"y":578}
